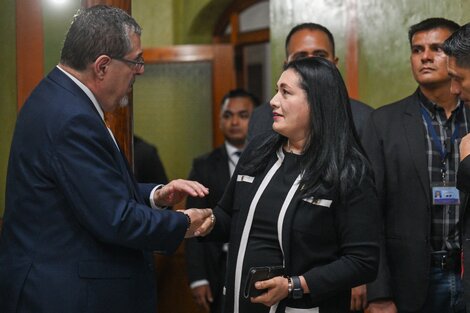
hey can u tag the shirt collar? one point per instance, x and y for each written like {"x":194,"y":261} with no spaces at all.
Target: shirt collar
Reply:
{"x":433,"y":107}
{"x":86,"y":90}
{"x":231,"y":149}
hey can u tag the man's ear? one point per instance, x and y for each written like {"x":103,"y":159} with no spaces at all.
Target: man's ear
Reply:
{"x":336,"y":60}
{"x":100,"y":66}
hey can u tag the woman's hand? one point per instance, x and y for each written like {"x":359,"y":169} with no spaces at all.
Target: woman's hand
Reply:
{"x":358,"y":298}
{"x":277,"y":290}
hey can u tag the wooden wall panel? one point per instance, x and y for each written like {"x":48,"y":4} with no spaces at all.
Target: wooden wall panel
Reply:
{"x":29,"y":48}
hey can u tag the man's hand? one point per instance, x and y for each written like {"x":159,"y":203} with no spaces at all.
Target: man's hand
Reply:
{"x":203,"y":296}
{"x":176,"y":190}
{"x":201,"y":222}
{"x":358,"y":298}
{"x":464,"y":147}
{"x":383,"y":306}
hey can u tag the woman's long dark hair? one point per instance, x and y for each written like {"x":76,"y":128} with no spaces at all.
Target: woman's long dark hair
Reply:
{"x":332,"y":159}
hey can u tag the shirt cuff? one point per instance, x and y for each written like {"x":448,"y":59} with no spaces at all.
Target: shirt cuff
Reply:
{"x":198,"y":283}
{"x":152,"y":202}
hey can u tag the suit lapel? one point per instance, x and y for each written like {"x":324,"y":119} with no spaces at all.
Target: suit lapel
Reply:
{"x":223,"y":171}
{"x":128,"y":175}
{"x":60,"y":78}
{"x":287,"y":230}
{"x":415,"y":138}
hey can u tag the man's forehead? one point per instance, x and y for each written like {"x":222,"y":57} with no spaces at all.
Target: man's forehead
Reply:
{"x":309,"y":41}
{"x":237,"y":104}
{"x":434,"y":35}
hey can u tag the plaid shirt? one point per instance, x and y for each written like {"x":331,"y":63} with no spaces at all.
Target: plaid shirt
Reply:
{"x":445,"y":234}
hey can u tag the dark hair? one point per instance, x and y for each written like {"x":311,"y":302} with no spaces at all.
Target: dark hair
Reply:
{"x":310,"y":26}
{"x":332,"y":159}
{"x":240,"y":92}
{"x":458,"y":46}
{"x":432,"y":23}
{"x":97,"y":31}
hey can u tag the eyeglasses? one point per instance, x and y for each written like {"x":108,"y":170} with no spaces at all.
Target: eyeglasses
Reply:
{"x":138,"y":64}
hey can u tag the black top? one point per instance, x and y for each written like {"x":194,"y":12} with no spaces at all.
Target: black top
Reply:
{"x":263,"y":247}
{"x":331,"y":242}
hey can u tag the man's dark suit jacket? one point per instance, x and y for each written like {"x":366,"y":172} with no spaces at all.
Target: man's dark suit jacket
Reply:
{"x":206,"y":260}
{"x":394,"y":140}
{"x":463,"y":183}
{"x":148,"y":168}
{"x":262,"y":118}
{"x":77,"y":231}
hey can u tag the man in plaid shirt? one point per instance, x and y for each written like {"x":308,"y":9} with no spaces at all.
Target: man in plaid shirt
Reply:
{"x":413,"y":145}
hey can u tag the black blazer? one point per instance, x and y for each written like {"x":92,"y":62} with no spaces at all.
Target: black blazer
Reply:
{"x":463,"y":183}
{"x":394,"y":140}
{"x":335,"y":248}
{"x":262,"y":120}
{"x":206,"y":260}
{"x":148,"y":167}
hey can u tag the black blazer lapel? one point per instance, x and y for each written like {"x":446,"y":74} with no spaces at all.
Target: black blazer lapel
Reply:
{"x":287,"y":229}
{"x":415,"y":137}
{"x":223,"y":170}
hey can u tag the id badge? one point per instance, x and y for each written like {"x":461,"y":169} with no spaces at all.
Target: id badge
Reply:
{"x":444,"y":195}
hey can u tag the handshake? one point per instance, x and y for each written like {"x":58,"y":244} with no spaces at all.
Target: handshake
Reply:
{"x":201,"y":220}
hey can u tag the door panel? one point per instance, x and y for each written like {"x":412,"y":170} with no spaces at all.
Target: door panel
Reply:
{"x":177,"y":107}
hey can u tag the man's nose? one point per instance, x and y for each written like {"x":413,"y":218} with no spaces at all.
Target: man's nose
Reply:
{"x":427,"y":55}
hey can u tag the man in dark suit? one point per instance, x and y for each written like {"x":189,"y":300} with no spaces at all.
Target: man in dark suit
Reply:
{"x":206,"y":260}
{"x":148,"y":167}
{"x":307,"y":40}
{"x":78,"y":230}
{"x":413,"y":147}
{"x":457,"y":47}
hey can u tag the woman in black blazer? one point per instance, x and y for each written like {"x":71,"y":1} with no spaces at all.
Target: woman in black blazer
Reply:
{"x":301,"y":198}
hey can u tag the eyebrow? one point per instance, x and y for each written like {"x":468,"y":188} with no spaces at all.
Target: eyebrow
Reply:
{"x":235,"y":112}
{"x":284,"y":85}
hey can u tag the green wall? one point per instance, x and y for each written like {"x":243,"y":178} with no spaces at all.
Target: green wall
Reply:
{"x":56,"y":22}
{"x":7,"y":90}
{"x":172,"y":102}
{"x":156,"y":19}
{"x":384,"y":71}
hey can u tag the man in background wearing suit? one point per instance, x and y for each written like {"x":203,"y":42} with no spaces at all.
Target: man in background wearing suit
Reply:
{"x":457,"y":47}
{"x":413,"y":145}
{"x":206,"y":260}
{"x":307,"y":40}
{"x":148,"y":167}
{"x":78,"y":230}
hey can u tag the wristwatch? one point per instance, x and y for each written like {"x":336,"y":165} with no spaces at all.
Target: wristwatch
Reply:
{"x":297,"y":291}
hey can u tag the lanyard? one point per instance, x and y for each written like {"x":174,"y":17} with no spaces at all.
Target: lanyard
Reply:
{"x":442,"y":149}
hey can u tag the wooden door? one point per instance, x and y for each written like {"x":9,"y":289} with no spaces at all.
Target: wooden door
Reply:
{"x":174,"y":294}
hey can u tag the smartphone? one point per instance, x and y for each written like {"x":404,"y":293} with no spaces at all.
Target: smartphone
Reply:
{"x":260,"y":273}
